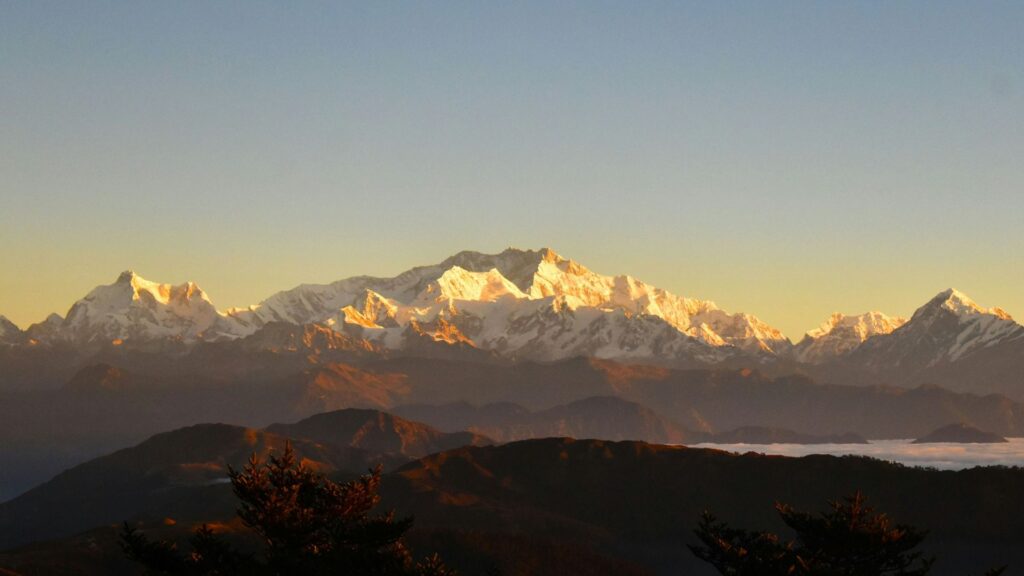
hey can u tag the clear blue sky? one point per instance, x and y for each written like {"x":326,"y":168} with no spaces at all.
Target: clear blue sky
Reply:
{"x":788,"y":159}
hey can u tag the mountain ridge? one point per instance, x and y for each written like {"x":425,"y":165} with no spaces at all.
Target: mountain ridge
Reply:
{"x":522,"y":303}
{"x":537,"y":305}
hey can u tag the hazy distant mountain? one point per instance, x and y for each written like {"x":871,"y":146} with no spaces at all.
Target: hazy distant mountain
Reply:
{"x":376,"y":432}
{"x":604,"y":417}
{"x":601,"y":417}
{"x":335,"y":386}
{"x":100,"y":377}
{"x":711,"y":400}
{"x":960,"y":433}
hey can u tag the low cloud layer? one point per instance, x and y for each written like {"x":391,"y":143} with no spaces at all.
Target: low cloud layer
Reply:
{"x":944,"y":456}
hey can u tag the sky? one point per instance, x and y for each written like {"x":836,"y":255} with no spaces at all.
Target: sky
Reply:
{"x":787,"y":159}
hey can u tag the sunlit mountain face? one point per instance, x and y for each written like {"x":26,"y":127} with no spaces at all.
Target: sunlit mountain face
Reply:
{"x":519,"y":303}
{"x":540,"y":306}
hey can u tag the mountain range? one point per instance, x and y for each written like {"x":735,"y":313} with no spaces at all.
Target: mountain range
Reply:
{"x":537,"y":305}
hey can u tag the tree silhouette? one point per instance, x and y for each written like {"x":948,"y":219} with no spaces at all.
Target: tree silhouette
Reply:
{"x":308,"y":524}
{"x":849,"y":539}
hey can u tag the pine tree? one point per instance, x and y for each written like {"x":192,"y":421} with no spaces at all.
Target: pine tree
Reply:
{"x":849,"y":539}
{"x":308,"y":524}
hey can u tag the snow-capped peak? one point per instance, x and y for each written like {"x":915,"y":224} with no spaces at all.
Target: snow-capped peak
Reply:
{"x":518,"y":302}
{"x":457,"y":283}
{"x":947,"y":328}
{"x":841,"y":334}
{"x":861,"y":326}
{"x":526,"y":304}
{"x":472,"y":284}
{"x":370,"y":310}
{"x":135,"y":308}
{"x":139,"y":288}
{"x":516,"y":265}
{"x":961,"y":304}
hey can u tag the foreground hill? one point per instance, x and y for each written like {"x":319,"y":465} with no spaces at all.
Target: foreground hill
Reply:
{"x":525,"y":507}
{"x":184,"y":471}
{"x":174,"y":470}
{"x":643,"y":500}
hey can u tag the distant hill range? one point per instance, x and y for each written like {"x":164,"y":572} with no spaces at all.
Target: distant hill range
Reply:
{"x":132,"y":395}
{"x":961,"y":434}
{"x":604,"y":417}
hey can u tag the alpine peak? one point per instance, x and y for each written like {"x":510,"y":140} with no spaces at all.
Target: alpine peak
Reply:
{"x":137,"y":309}
{"x":457,"y":283}
{"x":947,"y":328}
{"x":961,"y":304}
{"x":126,"y":277}
{"x":549,"y":255}
{"x":841,"y":334}
{"x":862,"y":325}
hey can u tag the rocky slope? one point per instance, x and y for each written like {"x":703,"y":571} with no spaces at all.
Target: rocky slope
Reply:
{"x":10,"y":334}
